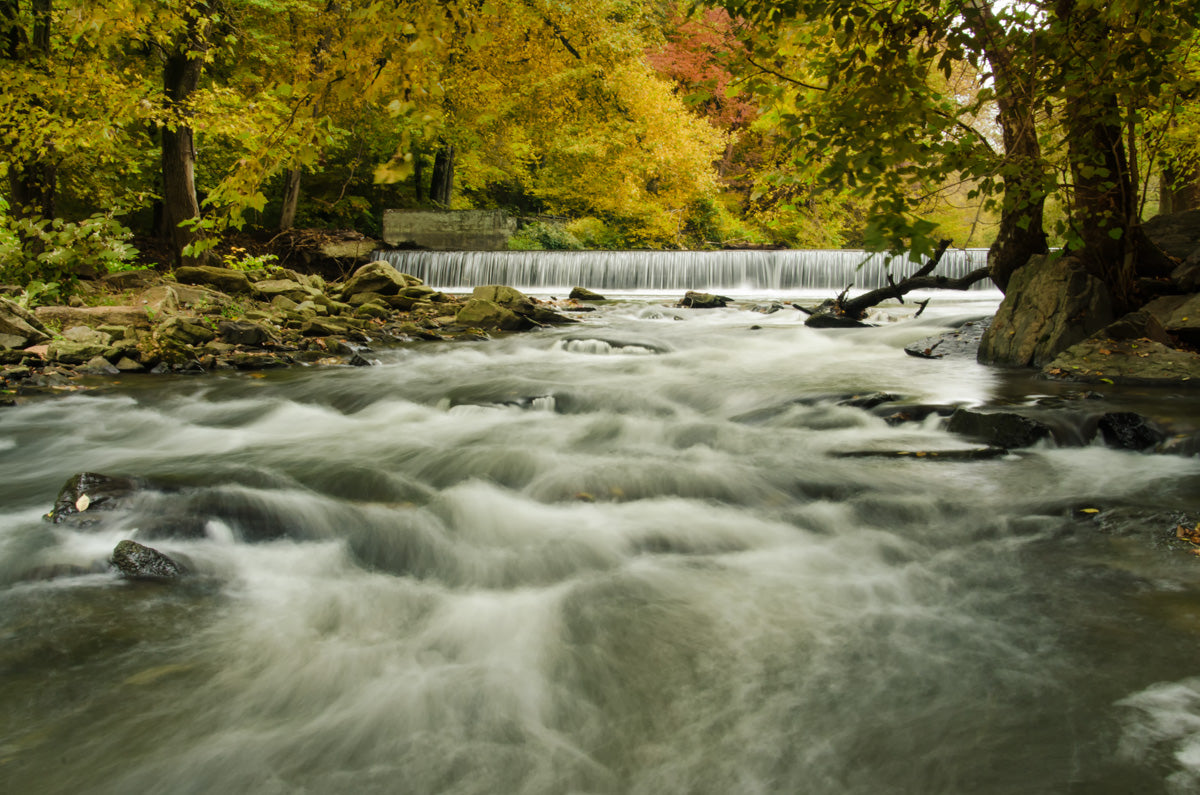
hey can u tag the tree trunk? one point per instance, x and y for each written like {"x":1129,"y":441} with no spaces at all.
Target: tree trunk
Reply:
{"x":441,"y":189}
{"x":1104,"y":197}
{"x":181,"y":78}
{"x":291,"y":198}
{"x":1021,"y":234}
{"x":1178,"y":190}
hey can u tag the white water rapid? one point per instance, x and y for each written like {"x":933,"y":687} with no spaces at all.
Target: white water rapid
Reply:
{"x":621,"y":557}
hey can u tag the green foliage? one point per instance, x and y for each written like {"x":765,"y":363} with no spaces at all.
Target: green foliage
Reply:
{"x":239,"y":259}
{"x":544,"y":236}
{"x":54,"y":251}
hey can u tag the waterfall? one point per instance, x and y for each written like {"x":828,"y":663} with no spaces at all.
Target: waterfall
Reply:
{"x":793,"y":269}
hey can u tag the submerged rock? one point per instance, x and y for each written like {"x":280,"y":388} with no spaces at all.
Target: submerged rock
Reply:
{"x":998,"y":428}
{"x":584,"y":294}
{"x":90,"y":491}
{"x":137,"y":562}
{"x":694,"y":300}
{"x":1128,"y":430}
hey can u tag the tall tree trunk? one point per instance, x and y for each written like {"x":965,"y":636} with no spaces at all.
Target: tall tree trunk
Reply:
{"x":1178,"y":190}
{"x":1021,"y":234}
{"x":1103,"y":196}
{"x":181,"y":77}
{"x":441,"y":188}
{"x":291,"y":198}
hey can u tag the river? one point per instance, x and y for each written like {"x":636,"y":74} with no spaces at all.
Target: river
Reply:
{"x":617,"y":557}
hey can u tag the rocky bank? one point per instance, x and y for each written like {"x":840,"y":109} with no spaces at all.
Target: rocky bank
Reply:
{"x":203,"y":319}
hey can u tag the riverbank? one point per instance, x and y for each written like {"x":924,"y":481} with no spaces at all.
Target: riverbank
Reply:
{"x":208,"y":319}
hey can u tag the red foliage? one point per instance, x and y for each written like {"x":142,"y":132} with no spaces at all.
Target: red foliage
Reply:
{"x":697,"y":57}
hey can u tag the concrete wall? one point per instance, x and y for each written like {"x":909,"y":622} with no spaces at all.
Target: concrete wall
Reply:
{"x":449,"y":230}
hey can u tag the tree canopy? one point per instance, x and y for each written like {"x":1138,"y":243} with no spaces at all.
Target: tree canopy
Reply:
{"x":807,"y":122}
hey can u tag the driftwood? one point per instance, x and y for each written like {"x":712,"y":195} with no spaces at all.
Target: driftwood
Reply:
{"x":842,"y":310}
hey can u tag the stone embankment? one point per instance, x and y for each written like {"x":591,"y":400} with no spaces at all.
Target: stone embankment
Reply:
{"x":204,"y":319}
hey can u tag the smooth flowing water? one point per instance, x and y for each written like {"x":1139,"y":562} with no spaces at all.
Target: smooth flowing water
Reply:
{"x":617,"y":557}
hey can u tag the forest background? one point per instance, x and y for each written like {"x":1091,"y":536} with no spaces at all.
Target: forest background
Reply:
{"x":612,"y":124}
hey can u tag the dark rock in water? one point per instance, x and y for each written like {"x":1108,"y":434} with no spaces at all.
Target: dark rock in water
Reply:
{"x":961,"y":343}
{"x":358,"y":360}
{"x":695,"y":300}
{"x":137,"y":562}
{"x":584,"y":294}
{"x":90,"y":491}
{"x":1187,"y":444}
{"x":831,"y":320}
{"x":998,"y":428}
{"x":98,"y":365}
{"x":767,"y":309}
{"x":896,"y":415}
{"x":1129,"y":430}
{"x":869,"y":400}
{"x":975,"y":454}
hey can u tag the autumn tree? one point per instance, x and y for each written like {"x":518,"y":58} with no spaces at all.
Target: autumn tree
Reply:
{"x":1070,"y":84}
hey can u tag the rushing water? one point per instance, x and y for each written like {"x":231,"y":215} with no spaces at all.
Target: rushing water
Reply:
{"x":752,"y":271}
{"x":618,"y":557}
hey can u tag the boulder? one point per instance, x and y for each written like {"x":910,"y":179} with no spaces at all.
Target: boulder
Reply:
{"x":530,"y":311}
{"x":694,"y":300}
{"x":130,"y":316}
{"x":1099,"y":360}
{"x":503,"y":295}
{"x":376,"y":277}
{"x":1004,"y":429}
{"x":226,"y":280}
{"x":98,"y":365}
{"x":70,"y":351}
{"x":137,"y":562}
{"x":484,"y":314}
{"x":1176,"y":234}
{"x":184,"y":331}
{"x":289,"y":288}
{"x":584,"y":294}
{"x":88,"y":492}
{"x":1187,"y":274}
{"x":961,"y":343}
{"x":1052,"y":303}
{"x":1179,"y":315}
{"x":19,"y":326}
{"x":131,"y":280}
{"x":1129,"y":430}
{"x":244,"y":332}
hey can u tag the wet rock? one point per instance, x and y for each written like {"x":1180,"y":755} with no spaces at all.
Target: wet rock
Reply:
{"x":584,"y":294}
{"x":257,"y":361}
{"x":358,"y":360}
{"x":226,"y":280}
{"x":137,"y":562}
{"x":898,"y":415}
{"x":90,"y":491}
{"x":128,"y":365}
{"x":998,"y":428}
{"x":1128,"y":430}
{"x":961,"y":343}
{"x":478,"y":313}
{"x":974,"y":454}
{"x":767,"y":309}
{"x":694,"y":300}
{"x":1184,"y":444}
{"x":869,"y":400}
{"x":376,"y":277}
{"x":1051,"y":304}
{"x":98,"y":365}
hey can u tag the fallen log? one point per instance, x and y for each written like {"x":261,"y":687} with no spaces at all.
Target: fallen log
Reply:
{"x":851,"y":311}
